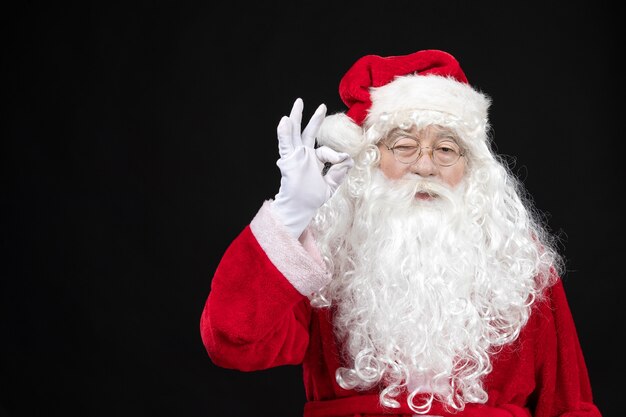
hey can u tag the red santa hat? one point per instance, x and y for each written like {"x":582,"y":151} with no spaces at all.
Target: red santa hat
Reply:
{"x":421,"y":88}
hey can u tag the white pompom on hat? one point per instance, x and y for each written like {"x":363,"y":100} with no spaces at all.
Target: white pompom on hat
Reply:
{"x":424,"y":87}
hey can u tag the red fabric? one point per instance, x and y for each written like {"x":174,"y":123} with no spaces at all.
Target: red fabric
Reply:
{"x":254,"y":319}
{"x":376,"y":71}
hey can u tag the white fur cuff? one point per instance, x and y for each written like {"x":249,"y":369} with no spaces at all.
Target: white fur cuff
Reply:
{"x":301,"y":267}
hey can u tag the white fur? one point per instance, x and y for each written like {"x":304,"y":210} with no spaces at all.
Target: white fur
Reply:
{"x":339,"y":132}
{"x":430,"y":92}
{"x":298,"y":261}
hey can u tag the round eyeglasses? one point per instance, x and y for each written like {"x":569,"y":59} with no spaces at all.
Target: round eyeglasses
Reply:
{"x":408,"y":150}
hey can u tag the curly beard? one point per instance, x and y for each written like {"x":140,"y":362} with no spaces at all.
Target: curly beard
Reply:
{"x":421,"y":298}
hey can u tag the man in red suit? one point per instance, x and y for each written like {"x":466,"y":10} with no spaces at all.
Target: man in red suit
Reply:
{"x":400,"y":262}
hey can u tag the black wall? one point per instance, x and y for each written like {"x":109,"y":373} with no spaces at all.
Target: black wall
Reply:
{"x":140,"y":139}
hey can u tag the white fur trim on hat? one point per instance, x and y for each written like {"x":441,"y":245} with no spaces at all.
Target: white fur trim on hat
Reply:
{"x":431,"y":93}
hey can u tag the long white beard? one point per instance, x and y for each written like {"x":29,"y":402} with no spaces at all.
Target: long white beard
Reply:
{"x":420,"y":300}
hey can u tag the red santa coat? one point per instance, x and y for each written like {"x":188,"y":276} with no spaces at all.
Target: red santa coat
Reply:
{"x":257,"y":316}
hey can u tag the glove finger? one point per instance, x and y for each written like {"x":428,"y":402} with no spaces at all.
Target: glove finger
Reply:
{"x":296,"y":121}
{"x":337,"y":173}
{"x":285,"y":142}
{"x":312,"y":128}
{"x":326,"y":154}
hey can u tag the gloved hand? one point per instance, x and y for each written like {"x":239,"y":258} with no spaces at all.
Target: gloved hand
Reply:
{"x":303,"y":186}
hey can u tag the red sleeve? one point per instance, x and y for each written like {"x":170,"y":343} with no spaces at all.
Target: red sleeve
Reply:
{"x":563,"y":385}
{"x":253,"y":318}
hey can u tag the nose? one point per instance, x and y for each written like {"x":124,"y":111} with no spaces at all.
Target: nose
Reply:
{"x":425,"y":166}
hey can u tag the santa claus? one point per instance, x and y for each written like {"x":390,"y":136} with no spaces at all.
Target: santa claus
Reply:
{"x":401,"y":263}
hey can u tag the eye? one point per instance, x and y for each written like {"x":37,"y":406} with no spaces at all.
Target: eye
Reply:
{"x":404,"y":148}
{"x":405,"y":144}
{"x":448,"y":147}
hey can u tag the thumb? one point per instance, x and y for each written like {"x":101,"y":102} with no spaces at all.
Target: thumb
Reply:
{"x":337,"y":173}
{"x":326,"y":154}
{"x":341,"y":164}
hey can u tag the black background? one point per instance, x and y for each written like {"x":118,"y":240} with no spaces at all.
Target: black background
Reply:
{"x":141,"y":139}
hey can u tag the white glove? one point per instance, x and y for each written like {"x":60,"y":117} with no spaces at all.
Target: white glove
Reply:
{"x":303,"y":186}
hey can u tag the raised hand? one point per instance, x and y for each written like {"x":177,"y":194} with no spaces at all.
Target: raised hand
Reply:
{"x":305,"y":185}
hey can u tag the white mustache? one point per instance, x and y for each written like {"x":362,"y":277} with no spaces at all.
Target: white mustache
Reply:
{"x":430,"y":187}
{"x":406,"y":188}
{"x":420,"y":185}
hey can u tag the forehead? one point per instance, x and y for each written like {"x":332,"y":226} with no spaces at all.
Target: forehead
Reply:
{"x":418,"y":132}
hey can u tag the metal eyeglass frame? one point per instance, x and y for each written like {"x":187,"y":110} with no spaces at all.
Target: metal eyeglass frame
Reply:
{"x":419,"y":155}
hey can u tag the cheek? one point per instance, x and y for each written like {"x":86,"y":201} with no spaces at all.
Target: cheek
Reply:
{"x":454,"y":174}
{"x":392,"y":169}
